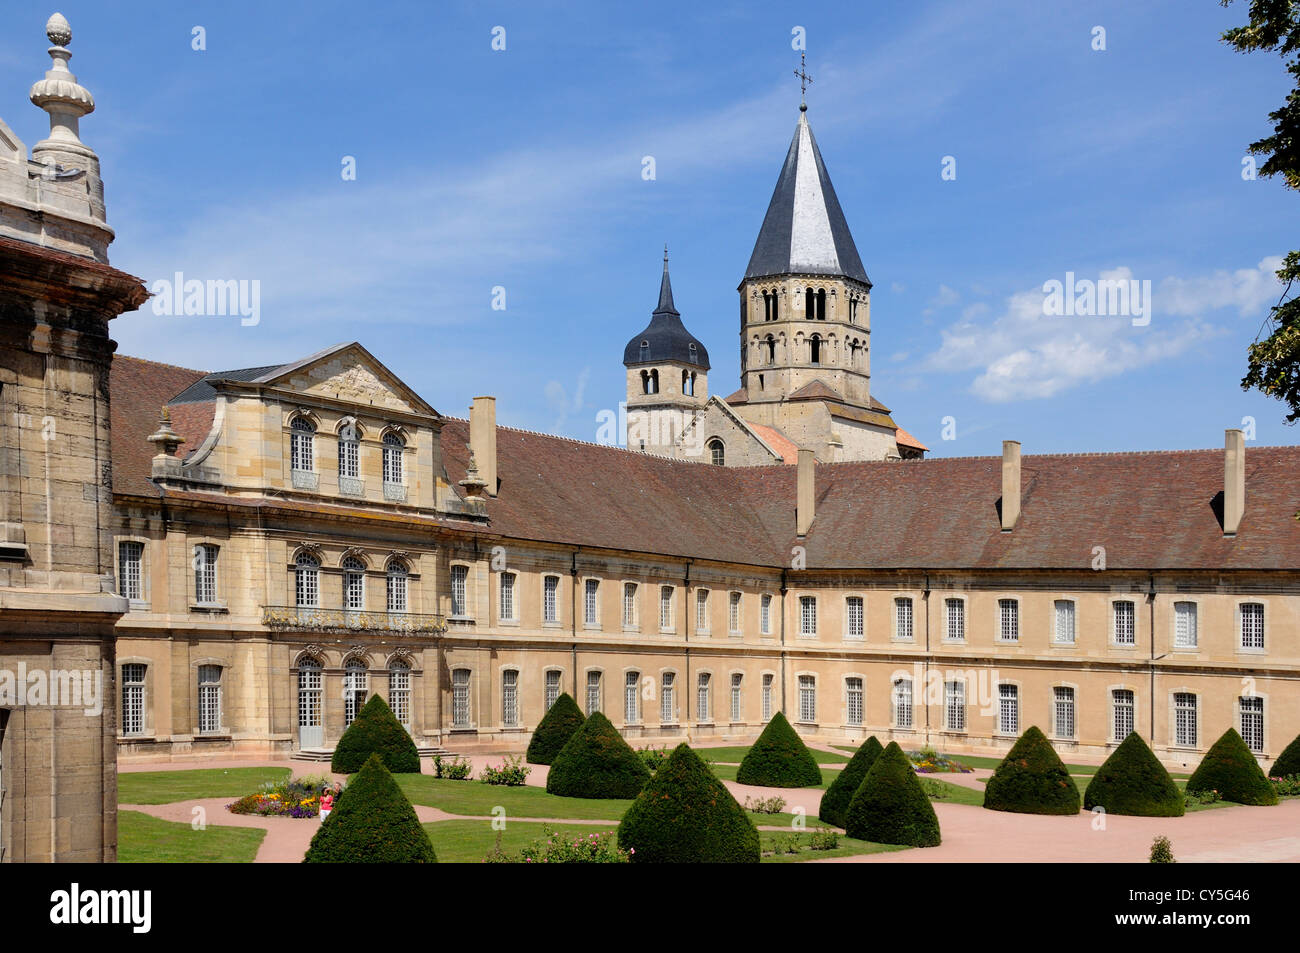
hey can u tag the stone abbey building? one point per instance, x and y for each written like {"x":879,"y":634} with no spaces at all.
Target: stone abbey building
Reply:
{"x":247,"y":555}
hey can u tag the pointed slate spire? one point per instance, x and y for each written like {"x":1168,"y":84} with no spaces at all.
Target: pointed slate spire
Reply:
{"x":665,"y":291}
{"x":804,"y":231}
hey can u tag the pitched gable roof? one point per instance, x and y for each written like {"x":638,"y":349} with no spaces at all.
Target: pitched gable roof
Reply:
{"x":138,"y":389}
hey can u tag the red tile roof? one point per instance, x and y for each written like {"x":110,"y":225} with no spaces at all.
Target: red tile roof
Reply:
{"x":138,"y":389}
{"x":905,"y":439}
{"x":778,"y":441}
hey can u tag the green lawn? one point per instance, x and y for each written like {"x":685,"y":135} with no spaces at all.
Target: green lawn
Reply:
{"x":735,"y":755}
{"x":727,"y":772}
{"x":948,"y":793}
{"x":477,"y":799}
{"x":142,"y":839}
{"x":848,"y":847}
{"x":468,"y":842}
{"x":164,"y":787}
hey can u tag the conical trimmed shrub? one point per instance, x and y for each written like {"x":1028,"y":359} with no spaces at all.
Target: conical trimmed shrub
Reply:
{"x":835,"y":802}
{"x":1132,"y":781}
{"x":554,"y":730}
{"x":1032,"y":779}
{"x":1229,"y":768}
{"x":685,"y":815}
{"x":1288,"y":762}
{"x":372,"y":823}
{"x":779,"y":759}
{"x":891,"y":807}
{"x":597,"y":762}
{"x":376,"y":730}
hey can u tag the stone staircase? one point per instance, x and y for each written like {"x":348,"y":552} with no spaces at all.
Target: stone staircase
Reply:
{"x":326,"y":755}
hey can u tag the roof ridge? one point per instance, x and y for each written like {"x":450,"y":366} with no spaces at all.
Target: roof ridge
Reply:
{"x":145,"y":360}
{"x":584,"y":443}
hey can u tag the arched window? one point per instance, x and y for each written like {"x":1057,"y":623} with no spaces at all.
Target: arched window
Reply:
{"x":645,"y":382}
{"x":770,"y":347}
{"x":307,"y":581}
{"x":355,"y":684}
{"x":393,"y":447}
{"x":821,"y":304}
{"x":309,"y":696}
{"x":397,"y":577}
{"x":209,"y":699}
{"x":399,"y":692}
{"x":645,"y":351}
{"x":654,"y":382}
{"x":302,"y":433}
{"x":349,"y":453}
{"x":815,"y":349}
{"x":717,"y":452}
{"x":810,"y":304}
{"x":686,"y":383}
{"x":460,"y":698}
{"x":354,"y":583}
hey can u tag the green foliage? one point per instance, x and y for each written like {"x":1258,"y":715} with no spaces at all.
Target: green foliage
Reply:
{"x":1162,"y":852}
{"x":554,"y":730}
{"x":454,"y":768}
{"x":1287,"y":786}
{"x":1288,"y":762}
{"x":823,"y":838}
{"x":563,"y":848}
{"x":1229,"y":768}
{"x":686,"y":815}
{"x":512,"y":773}
{"x":890,"y":807}
{"x":765,"y":805}
{"x":597,"y":763}
{"x":1132,"y":781}
{"x":835,"y":802}
{"x":653,"y":757}
{"x":779,"y":759}
{"x":1032,"y":779}
{"x":376,"y":730}
{"x":372,"y":823}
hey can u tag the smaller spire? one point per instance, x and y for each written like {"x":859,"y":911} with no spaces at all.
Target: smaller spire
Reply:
{"x":165,"y":438}
{"x":473,"y":483}
{"x":665,"y":290}
{"x":59,"y":93}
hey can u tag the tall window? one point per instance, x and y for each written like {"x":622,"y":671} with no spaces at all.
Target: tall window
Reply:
{"x":205,"y":574}
{"x":1185,"y":625}
{"x":1008,"y":709}
{"x":355,"y":685}
{"x":954,"y":706}
{"x":399,"y":692}
{"x":593,"y":692}
{"x":129,"y":557}
{"x":1121,"y":700}
{"x":853,"y":617}
{"x":460,"y":698}
{"x":702,"y":610}
{"x":903,"y":618}
{"x":703,"y":698}
{"x":765,"y":614}
{"x":209,"y":698}
{"x":629,"y":604}
{"x":393,"y":447}
{"x":632,"y":698}
{"x":807,"y":698}
{"x":767,"y":697}
{"x":302,"y":434}
{"x":354,"y":584}
{"x":459,"y":602}
{"x":903,"y":703}
{"x":955,"y":609}
{"x":133,"y":698}
{"x":808,"y":616}
{"x":590,"y":612}
{"x":507,"y":584}
{"x":665,"y":607}
{"x":309,"y":689}
{"x":349,"y":453}
{"x":1252,"y":722}
{"x":1125,"y":630}
{"x":733,"y":612}
{"x":1063,"y":711}
{"x":1252,"y":625}
{"x":1185,"y":719}
{"x":1008,"y":620}
{"x":1064,"y":632}
{"x":510,"y":698}
{"x":552,"y":687}
{"x":736,"y":681}
{"x":306,"y":580}
{"x":717,"y":453}
{"x":397,"y":578}
{"x":551,"y":599}
{"x":667,"y":702}
{"x":853,"y":699}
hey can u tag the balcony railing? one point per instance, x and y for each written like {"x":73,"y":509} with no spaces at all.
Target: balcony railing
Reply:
{"x":305,"y":619}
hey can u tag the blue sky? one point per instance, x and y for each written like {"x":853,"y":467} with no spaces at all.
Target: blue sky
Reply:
{"x":522,"y":169}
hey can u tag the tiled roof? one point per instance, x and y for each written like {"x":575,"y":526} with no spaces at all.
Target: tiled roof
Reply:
{"x":905,"y":439}
{"x":138,"y":389}
{"x":778,"y":441}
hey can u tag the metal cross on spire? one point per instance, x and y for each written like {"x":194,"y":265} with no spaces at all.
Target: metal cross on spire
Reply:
{"x":804,"y":80}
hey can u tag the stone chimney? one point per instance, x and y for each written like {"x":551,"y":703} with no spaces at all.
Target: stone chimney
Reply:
{"x":1234,"y":481}
{"x":806,"y":499}
{"x":1010,"y":484}
{"x":483,"y":440}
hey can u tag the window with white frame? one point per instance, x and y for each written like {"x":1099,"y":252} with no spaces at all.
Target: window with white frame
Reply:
{"x":507,"y":584}
{"x":510,"y":698}
{"x":1008,"y":620}
{"x":306,"y":580}
{"x":853,"y":701}
{"x":807,"y":698}
{"x":349,"y":453}
{"x":853,"y":621}
{"x":1252,"y":721}
{"x":1063,"y":633}
{"x":629,"y":605}
{"x":1185,"y":719}
{"x":667,"y":701}
{"x":459,"y":581}
{"x":399,"y":691}
{"x":397,"y":577}
{"x":393,"y":449}
{"x":903,"y":703}
{"x":356,"y":683}
{"x":702,"y":611}
{"x":130,"y":556}
{"x":460,"y":698}
{"x":768,"y":678}
{"x":733,"y":612}
{"x":903,"y":616}
{"x":704,"y":698}
{"x":632,"y":698}
{"x":1122,"y":707}
{"x":1125,"y":629}
{"x":550,"y":598}
{"x":552,"y":687}
{"x":954,"y":706}
{"x":354,"y":584}
{"x":1008,"y":709}
{"x":955,"y":624}
{"x":309,"y":691}
{"x":302,"y":435}
{"x":209,"y":699}
{"x":1063,"y":711}
{"x":808,"y":616}
{"x":1252,"y":625}
{"x":765,"y":614}
{"x":590,"y":607}
{"x":1185,"y":636}
{"x":133,"y":675}
{"x":205,"y":574}
{"x":737,"y":680}
{"x":593,"y":692}
{"x":665,"y":607}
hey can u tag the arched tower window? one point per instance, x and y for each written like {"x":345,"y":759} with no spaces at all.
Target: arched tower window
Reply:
{"x":654,"y":382}
{"x":767,"y":306}
{"x":717,"y":452}
{"x":769,"y":349}
{"x":645,"y":382}
{"x":809,"y":304}
{"x":815,"y":349}
{"x":821,"y":304}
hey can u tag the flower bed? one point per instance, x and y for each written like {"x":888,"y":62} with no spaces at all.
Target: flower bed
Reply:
{"x":929,"y":762}
{"x":553,"y":848}
{"x":297,"y":797}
